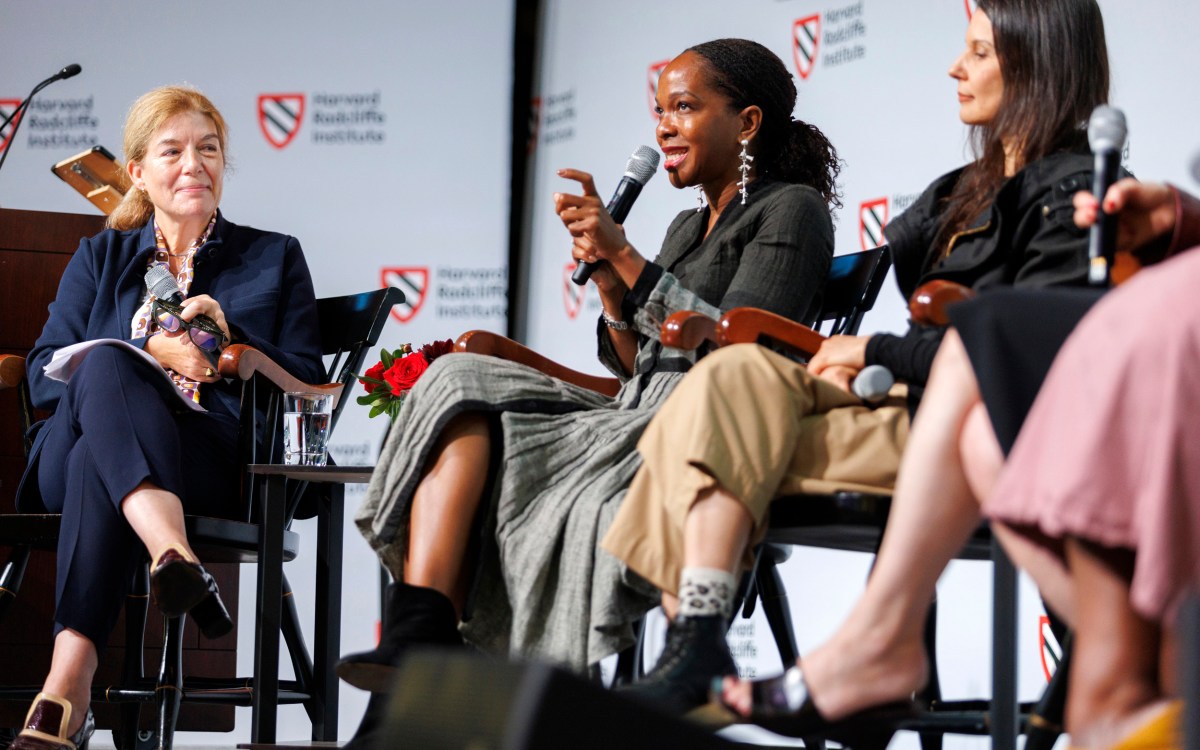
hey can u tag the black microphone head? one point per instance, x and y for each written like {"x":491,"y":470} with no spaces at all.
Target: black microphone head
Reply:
{"x":71,"y":70}
{"x":1106,"y":129}
{"x":162,"y":284}
{"x":642,"y":165}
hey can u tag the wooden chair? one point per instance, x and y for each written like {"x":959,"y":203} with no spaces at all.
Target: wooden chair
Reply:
{"x":350,"y":326}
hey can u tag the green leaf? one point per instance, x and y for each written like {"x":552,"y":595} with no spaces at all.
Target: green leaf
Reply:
{"x":386,"y":358}
{"x":377,"y":410}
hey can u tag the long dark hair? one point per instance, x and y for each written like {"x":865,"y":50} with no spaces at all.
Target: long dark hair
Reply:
{"x":1054,"y":64}
{"x":788,"y":150}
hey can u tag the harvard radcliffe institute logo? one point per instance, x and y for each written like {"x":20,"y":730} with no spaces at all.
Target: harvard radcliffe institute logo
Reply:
{"x":872,"y":218}
{"x":653,"y":73}
{"x":413,"y":281}
{"x":1050,"y":648}
{"x":970,"y":5}
{"x":7,"y":107}
{"x":279,"y":116}
{"x":573,"y":293}
{"x":806,"y":38}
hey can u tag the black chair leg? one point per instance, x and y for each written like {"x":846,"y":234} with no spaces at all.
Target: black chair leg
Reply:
{"x":931,"y":694}
{"x":137,"y":604}
{"x":11,"y":576}
{"x":170,"y":680}
{"x":1045,"y":723}
{"x":778,"y":613}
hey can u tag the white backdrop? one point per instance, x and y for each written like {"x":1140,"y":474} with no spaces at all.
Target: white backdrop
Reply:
{"x":397,"y":166}
{"x":877,"y":85}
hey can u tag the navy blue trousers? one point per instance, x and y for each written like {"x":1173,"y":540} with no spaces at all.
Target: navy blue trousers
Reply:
{"x":120,"y":423}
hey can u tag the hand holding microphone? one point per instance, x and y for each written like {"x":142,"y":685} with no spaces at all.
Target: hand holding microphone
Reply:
{"x":196,"y":350}
{"x":1106,"y":137}
{"x":595,"y":227}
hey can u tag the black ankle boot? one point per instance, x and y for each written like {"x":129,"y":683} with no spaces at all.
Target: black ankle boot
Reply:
{"x":413,"y":615}
{"x":695,"y":653}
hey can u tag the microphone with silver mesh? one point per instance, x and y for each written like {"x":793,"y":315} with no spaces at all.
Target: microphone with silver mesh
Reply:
{"x":162,"y":285}
{"x":872,"y":383}
{"x":1106,"y":136}
{"x":638,"y":171}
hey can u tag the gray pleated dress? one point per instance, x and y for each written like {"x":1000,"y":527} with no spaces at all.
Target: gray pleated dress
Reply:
{"x":566,"y":455}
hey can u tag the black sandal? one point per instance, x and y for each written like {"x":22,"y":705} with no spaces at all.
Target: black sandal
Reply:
{"x":784,"y":705}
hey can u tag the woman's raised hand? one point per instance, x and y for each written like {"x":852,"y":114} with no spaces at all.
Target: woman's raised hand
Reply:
{"x":596,"y":236}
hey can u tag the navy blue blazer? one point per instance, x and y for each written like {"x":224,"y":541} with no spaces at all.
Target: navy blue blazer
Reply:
{"x":260,"y":279}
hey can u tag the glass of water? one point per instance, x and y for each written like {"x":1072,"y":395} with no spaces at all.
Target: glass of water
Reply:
{"x":306,"y":428}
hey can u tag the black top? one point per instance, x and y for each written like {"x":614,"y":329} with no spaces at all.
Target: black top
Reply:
{"x":1026,"y":238}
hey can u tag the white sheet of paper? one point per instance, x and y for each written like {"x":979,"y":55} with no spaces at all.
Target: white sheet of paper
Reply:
{"x":66,"y":361}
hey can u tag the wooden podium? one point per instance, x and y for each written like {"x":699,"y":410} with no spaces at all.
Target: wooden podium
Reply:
{"x":35,"y":247}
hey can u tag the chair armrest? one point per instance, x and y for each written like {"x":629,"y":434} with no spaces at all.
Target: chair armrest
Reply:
{"x":749,"y":325}
{"x":688,"y":330}
{"x":243,"y":362}
{"x":929,"y":303}
{"x":12,"y":370}
{"x":495,"y":345}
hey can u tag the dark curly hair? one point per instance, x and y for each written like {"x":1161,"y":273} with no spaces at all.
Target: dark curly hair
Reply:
{"x":787,"y":149}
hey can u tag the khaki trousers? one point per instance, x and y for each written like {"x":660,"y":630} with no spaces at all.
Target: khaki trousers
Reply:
{"x":759,"y":426}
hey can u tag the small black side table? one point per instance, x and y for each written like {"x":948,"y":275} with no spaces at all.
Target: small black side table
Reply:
{"x":272,"y":482}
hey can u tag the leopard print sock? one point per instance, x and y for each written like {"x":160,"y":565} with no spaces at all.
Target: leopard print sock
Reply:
{"x":705,"y":592}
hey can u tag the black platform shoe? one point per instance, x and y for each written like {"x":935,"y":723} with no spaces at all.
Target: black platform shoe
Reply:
{"x":696,"y":652}
{"x":183,"y":587}
{"x":413,"y":615}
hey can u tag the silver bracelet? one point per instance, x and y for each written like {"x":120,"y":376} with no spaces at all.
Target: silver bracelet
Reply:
{"x":613,"y":323}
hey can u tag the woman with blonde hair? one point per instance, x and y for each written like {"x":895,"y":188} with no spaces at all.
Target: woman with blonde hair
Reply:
{"x":128,"y":450}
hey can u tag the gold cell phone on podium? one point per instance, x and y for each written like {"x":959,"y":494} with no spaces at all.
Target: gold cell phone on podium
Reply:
{"x":97,"y":175}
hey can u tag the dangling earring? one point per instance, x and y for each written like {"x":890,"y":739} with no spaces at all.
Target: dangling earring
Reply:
{"x":700,"y":199}
{"x":746,"y":159}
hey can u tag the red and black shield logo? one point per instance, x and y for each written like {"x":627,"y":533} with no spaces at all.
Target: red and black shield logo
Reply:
{"x":413,"y":281}
{"x":806,"y":38}
{"x":971,"y":5}
{"x":872,"y":218}
{"x":573,"y":294}
{"x":652,"y":75}
{"x":279,"y":116}
{"x":1049,"y":646}
{"x":7,"y":107}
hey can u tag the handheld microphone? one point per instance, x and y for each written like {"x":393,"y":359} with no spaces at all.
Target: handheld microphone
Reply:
{"x":1106,"y":137}
{"x":71,"y":70}
{"x":872,"y":383}
{"x":638,"y":171}
{"x":163,"y":286}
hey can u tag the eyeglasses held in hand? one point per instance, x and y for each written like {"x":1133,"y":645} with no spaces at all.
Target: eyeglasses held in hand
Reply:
{"x":203,"y":332}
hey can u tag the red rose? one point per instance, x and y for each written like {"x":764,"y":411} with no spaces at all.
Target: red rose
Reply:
{"x":375,"y":372}
{"x":437,"y":349}
{"x":404,"y":372}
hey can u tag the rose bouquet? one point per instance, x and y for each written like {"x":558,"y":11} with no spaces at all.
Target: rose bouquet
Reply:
{"x":390,"y":380}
